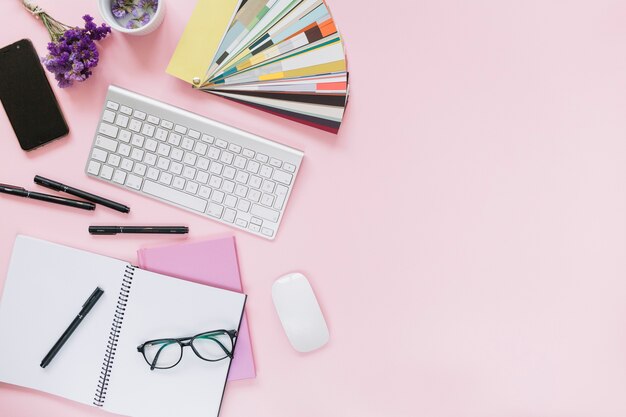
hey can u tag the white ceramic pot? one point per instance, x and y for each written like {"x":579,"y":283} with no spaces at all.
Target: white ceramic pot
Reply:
{"x":107,"y":15}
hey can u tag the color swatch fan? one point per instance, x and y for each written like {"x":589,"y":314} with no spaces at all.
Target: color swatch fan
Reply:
{"x":285,"y":57}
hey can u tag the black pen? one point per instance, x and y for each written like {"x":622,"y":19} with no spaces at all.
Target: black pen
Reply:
{"x":21,"y":192}
{"x":57,"y":186}
{"x":112,"y":230}
{"x":91,"y":301}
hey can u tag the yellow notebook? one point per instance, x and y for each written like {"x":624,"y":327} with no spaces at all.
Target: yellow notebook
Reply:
{"x":201,"y":38}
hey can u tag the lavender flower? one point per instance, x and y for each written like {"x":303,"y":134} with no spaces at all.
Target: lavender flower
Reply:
{"x":74,"y":54}
{"x":138,"y":22}
{"x":121,"y":8}
{"x":148,"y":5}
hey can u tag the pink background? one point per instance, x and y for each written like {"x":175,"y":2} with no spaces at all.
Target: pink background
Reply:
{"x":465,"y":232}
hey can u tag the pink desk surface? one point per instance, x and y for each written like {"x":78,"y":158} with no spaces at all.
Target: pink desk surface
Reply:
{"x":465,"y":232}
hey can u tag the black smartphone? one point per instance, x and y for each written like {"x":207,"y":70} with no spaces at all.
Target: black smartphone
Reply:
{"x":27,"y":97}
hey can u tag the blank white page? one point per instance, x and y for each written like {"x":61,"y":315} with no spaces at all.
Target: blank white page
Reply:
{"x":163,"y":307}
{"x":46,"y":286}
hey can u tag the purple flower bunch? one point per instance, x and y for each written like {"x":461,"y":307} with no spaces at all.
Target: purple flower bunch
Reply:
{"x":139,"y":11}
{"x":73,"y":55}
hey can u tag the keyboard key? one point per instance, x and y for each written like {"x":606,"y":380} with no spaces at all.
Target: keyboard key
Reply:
{"x":133,"y":181}
{"x":230,"y":201}
{"x":124,"y":149}
{"x":151,"y":145}
{"x":139,"y":114}
{"x":119,"y":176}
{"x":265,"y":213}
{"x":167,"y":124}
{"x":204,"y":192}
{"x":254,"y":228}
{"x":229,"y":215}
{"x":255,"y":182}
{"x":234,"y":148}
{"x":241,"y":190}
{"x":261,"y":157}
{"x":176,"y":168}
{"x":275,"y":162}
{"x":187,"y":144}
{"x":266,"y":171}
{"x":221,"y":143}
{"x":267,"y":232}
{"x":163,"y":163}
{"x":140,"y":169}
{"x":114,"y":160}
{"x":177,"y":154}
{"x":180,"y":129}
{"x":121,"y":120}
{"x":153,"y":119}
{"x":108,"y":130}
{"x":217,"y":196}
{"x":267,"y":200}
{"x":240,"y":162}
{"x":253,"y":166}
{"x":107,"y":172}
{"x":203,"y":163}
{"x":201,"y":148}
{"x":248,"y":153}
{"x":192,"y":187}
{"x":241,"y":223}
{"x":150,"y":158}
{"x":161,"y":134}
{"x":254,"y":195}
{"x":94,"y":167}
{"x":127,"y":164}
{"x":281,"y":195}
{"x":208,"y":138}
{"x":216,"y":168}
{"x":190,"y":158}
{"x":177,"y":197}
{"x":244,"y":205}
{"x":268,"y":186}
{"x":164,"y":149}
{"x":112,"y":105}
{"x":165,"y":178}
{"x":106,"y":143}
{"x":229,"y":172}
{"x":135,"y":125}
{"x":125,"y":136}
{"x":289,"y":167}
{"x":202,"y":177}
{"x":194,"y":134}
{"x":147,"y":130}
{"x":153,"y":174}
{"x":215,"y":210}
{"x":256,"y":220}
{"x":242,"y":177}
{"x":282,"y":177}
{"x":189,"y":172}
{"x":215,"y":181}
{"x":138,"y":140}
{"x":178,"y":183}
{"x":214,"y":153}
{"x":99,"y":154}
{"x":228,"y":186}
{"x":227,"y":157}
{"x":126,"y":110}
{"x":136,"y":154}
{"x":174,"y":139}
{"x":108,"y":116}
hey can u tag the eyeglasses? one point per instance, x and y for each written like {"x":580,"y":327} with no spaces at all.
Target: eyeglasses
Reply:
{"x":210,"y":346}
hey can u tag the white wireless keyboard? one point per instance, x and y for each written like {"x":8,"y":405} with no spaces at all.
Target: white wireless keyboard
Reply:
{"x":192,"y":162}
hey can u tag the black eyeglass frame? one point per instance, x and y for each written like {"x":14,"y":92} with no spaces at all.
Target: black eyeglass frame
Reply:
{"x":188,"y":341}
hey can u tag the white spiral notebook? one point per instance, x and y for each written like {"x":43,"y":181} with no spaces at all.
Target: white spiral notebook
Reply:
{"x":99,"y":365}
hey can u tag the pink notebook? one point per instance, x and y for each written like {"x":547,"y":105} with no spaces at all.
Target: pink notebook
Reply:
{"x":210,"y":262}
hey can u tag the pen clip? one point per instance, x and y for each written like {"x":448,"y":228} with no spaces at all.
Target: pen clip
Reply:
{"x":93,"y":295}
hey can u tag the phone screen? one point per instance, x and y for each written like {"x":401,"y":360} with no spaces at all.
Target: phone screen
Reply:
{"x":27,"y":97}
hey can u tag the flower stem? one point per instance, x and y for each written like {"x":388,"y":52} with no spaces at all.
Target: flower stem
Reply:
{"x":54,"y":27}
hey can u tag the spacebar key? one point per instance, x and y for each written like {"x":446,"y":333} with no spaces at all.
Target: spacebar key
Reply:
{"x":175,"y":196}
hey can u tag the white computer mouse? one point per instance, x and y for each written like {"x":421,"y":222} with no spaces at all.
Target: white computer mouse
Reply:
{"x":299,"y":312}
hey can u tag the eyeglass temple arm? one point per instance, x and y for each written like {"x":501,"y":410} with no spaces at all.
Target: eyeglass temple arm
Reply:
{"x":224,"y":348}
{"x":156,"y":357}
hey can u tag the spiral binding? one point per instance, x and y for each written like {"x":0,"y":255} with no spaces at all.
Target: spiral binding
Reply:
{"x":116,"y":327}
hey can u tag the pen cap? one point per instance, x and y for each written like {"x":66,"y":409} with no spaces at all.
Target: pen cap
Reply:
{"x":91,"y":301}
{"x":45,"y":182}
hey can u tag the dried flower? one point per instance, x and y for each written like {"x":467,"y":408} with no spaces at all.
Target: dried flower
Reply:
{"x":139,"y":12}
{"x":121,"y":8}
{"x":72,"y":54}
{"x":138,"y":22}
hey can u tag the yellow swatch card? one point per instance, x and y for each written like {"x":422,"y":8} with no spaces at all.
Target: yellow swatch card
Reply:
{"x":201,"y":38}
